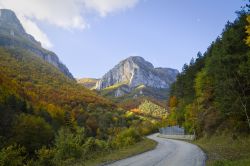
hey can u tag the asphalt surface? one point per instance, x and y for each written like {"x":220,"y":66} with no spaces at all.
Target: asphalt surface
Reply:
{"x":167,"y":153}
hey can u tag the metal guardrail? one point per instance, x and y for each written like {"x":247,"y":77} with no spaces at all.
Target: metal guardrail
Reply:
{"x":175,"y":132}
{"x":172,"y":130}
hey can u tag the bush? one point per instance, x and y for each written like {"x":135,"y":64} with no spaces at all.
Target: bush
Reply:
{"x":147,"y":127}
{"x":68,"y":144}
{"x":127,"y":137}
{"x":45,"y":157}
{"x":12,"y":156}
{"x":32,"y":132}
{"x":72,"y":147}
{"x":94,"y":146}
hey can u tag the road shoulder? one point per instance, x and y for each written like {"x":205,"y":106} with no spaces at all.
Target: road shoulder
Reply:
{"x":141,"y":147}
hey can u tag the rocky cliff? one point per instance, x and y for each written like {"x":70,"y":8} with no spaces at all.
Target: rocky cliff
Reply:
{"x":12,"y":34}
{"x":135,"y":71}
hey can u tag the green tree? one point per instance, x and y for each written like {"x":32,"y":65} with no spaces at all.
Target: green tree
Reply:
{"x":248,"y":31}
{"x":32,"y":132}
{"x":12,"y":156}
{"x":69,"y":145}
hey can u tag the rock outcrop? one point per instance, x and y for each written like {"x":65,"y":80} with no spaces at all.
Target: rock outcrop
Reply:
{"x":12,"y":34}
{"x":135,"y":71}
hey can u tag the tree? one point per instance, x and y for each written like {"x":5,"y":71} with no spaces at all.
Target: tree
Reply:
{"x":32,"y":132}
{"x":213,"y":92}
{"x":172,"y":101}
{"x":68,"y":145}
{"x":12,"y":155}
{"x":248,"y":31}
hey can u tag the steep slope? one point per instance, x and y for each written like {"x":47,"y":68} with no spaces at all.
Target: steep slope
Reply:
{"x":135,"y":71}
{"x":151,"y":110}
{"x":40,"y":106}
{"x":133,"y":80}
{"x":32,"y":78}
{"x":12,"y":34}
{"x":45,"y":114}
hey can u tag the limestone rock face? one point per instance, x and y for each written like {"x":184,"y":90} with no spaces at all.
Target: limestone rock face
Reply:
{"x":135,"y":71}
{"x":12,"y":34}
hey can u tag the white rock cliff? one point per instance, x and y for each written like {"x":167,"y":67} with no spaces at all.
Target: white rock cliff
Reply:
{"x":135,"y":71}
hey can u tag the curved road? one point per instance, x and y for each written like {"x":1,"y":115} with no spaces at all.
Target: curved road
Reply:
{"x":167,"y":153}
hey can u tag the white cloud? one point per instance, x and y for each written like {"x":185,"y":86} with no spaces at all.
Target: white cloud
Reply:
{"x":104,"y":7}
{"x":67,"y":14}
{"x":33,"y":29}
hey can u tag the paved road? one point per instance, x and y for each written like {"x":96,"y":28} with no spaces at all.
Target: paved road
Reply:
{"x":167,"y":153}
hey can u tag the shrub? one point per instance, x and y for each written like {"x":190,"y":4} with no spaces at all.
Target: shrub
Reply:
{"x":68,"y":144}
{"x":12,"y":156}
{"x":45,"y":157}
{"x":32,"y":132}
{"x":127,"y":137}
{"x":93,"y":147}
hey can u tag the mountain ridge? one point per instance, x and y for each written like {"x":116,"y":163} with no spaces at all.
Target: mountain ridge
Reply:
{"x":132,"y":81}
{"x":13,"y":34}
{"x":135,"y":71}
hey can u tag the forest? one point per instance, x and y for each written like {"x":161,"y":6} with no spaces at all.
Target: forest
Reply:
{"x":49,"y":119}
{"x":212,"y":93}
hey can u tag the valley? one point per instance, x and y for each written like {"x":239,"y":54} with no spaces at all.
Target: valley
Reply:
{"x":50,"y":118}
{"x":44,"y":112}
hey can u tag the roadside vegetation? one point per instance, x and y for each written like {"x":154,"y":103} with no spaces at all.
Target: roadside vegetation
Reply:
{"x":226,"y":150}
{"x":211,"y":96}
{"x":122,"y":153}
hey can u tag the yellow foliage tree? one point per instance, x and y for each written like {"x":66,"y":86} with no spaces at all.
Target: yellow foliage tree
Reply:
{"x":248,"y":31}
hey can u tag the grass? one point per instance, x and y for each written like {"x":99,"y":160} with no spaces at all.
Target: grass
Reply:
{"x":226,"y":151}
{"x":140,"y":147}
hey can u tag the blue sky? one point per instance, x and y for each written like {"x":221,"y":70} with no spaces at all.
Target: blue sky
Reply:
{"x":168,"y":33}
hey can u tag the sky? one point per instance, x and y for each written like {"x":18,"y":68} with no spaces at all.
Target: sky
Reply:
{"x":91,"y":36}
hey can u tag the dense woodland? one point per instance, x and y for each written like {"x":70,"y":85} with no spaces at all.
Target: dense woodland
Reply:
{"x":212,"y":94}
{"x":48,"y":119}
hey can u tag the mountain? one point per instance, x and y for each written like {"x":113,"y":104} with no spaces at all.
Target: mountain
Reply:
{"x":133,"y":80}
{"x":38,"y":103}
{"x":135,"y":71}
{"x":89,"y":83}
{"x":31,"y":72}
{"x":41,"y":105}
{"x":12,"y":34}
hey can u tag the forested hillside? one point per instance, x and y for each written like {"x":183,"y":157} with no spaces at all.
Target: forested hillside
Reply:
{"x":46,"y":118}
{"x":151,"y":110}
{"x":212,"y":94}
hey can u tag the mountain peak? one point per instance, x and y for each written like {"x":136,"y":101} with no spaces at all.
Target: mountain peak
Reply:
{"x":135,"y":71}
{"x":135,"y":58}
{"x":7,"y":13}
{"x":8,"y":19}
{"x":12,"y":34}
{"x":137,"y":61}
